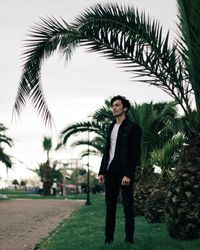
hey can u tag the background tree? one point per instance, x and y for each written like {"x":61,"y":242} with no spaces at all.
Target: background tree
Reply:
{"x":166,"y":158}
{"x":15,"y":183}
{"x":47,"y":146}
{"x":23,"y":184}
{"x":5,"y":140}
{"x":158,"y":122}
{"x":53,"y":173}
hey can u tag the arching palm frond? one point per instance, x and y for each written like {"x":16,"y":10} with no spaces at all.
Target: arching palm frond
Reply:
{"x":85,"y":153}
{"x":40,"y":171}
{"x":125,"y":35}
{"x":45,"y":38}
{"x":188,"y":43}
{"x":97,"y":127}
{"x":53,"y":172}
{"x":103,"y":114}
{"x":157,"y":124}
{"x":167,"y":156}
{"x":170,"y":123}
{"x":121,"y":34}
{"x":97,"y":142}
{"x":4,"y":138}
{"x":5,"y":158}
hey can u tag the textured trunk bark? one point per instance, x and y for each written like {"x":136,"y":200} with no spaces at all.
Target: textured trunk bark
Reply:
{"x":183,"y":199}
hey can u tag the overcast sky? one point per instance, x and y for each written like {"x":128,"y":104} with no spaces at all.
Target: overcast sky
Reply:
{"x":73,"y":90}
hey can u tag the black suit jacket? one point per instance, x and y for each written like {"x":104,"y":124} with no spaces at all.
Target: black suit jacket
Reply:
{"x":127,"y":151}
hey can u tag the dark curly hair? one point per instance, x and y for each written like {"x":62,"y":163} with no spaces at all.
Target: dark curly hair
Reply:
{"x":125,"y":102}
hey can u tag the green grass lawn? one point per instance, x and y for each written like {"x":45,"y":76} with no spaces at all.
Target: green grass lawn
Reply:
{"x":12,"y":194}
{"x":84,"y":230}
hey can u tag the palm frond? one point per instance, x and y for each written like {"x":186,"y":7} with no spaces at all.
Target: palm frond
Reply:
{"x":157,"y":122}
{"x":5,"y":158}
{"x":45,"y":38}
{"x":97,"y":127}
{"x":129,"y":37}
{"x":189,"y":42}
{"x":98,"y":143}
{"x":86,"y":153}
{"x":167,"y":156}
{"x":4,"y":138}
{"x":103,"y":114}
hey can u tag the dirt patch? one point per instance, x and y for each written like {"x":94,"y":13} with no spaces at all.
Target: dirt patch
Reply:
{"x":23,"y":223}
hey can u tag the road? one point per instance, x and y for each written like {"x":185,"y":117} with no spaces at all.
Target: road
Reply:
{"x":23,"y":223}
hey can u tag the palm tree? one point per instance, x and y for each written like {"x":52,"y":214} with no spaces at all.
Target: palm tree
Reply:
{"x":53,"y":172}
{"x":4,"y":157}
{"x":47,"y":146}
{"x":166,"y":158}
{"x":15,"y":183}
{"x":98,"y":125}
{"x":127,"y":36}
{"x":158,"y":122}
{"x":23,"y":184}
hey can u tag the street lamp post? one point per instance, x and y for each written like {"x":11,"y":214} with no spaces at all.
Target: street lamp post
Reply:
{"x":88,"y":173}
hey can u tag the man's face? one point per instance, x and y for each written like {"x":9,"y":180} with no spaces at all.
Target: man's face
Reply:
{"x":118,"y":109}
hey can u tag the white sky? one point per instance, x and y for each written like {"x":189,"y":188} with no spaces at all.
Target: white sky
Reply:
{"x":73,"y":90}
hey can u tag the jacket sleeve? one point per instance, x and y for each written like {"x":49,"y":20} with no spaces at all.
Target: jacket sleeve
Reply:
{"x":104,"y":161}
{"x":103,"y":165}
{"x":135,"y":152}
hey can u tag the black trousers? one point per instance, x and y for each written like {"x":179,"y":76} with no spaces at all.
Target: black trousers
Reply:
{"x":112,"y":187}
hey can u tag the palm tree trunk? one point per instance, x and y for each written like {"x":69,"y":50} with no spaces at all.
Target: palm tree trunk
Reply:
{"x":47,"y":180}
{"x":183,"y":199}
{"x":197,"y":100}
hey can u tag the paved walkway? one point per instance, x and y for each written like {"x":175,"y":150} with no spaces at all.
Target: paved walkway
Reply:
{"x":23,"y":223}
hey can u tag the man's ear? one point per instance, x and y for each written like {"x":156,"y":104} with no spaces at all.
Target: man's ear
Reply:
{"x":125,"y":109}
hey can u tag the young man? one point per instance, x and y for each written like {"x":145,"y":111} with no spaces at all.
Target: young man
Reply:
{"x":120,"y":158}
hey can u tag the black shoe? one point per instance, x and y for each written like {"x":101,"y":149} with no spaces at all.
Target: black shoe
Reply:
{"x":108,"y":241}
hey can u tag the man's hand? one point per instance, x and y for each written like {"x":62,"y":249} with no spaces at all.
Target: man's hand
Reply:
{"x":101,"y":179}
{"x":125,"y":181}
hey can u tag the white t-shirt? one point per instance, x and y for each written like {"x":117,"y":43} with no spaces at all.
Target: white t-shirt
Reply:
{"x":113,"y":139}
